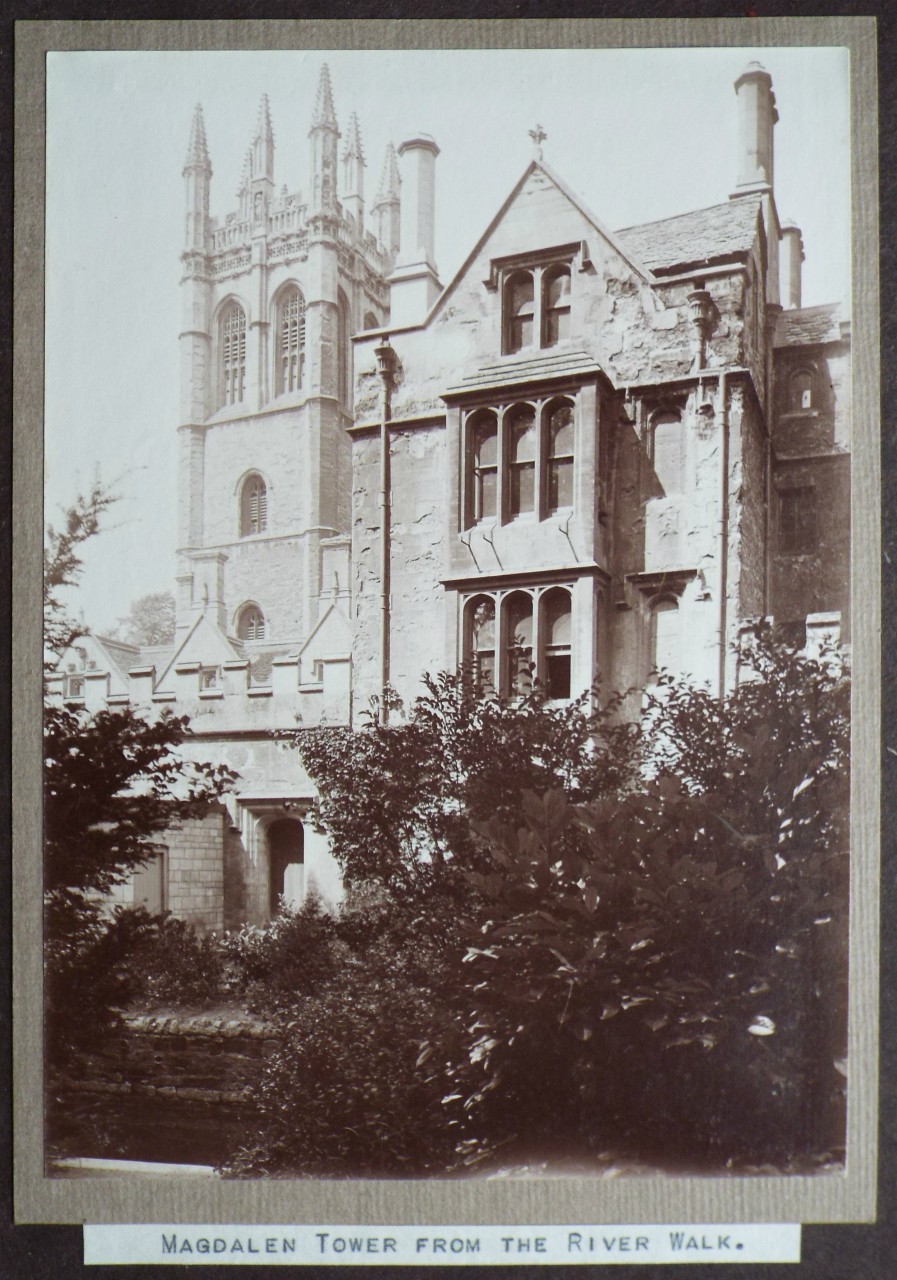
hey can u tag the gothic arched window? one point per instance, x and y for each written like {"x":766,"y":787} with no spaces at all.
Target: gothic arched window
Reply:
{"x":484,"y":458}
{"x":253,"y":506}
{"x":519,"y":651}
{"x":665,"y":636}
{"x":232,"y":343}
{"x":520,"y":310}
{"x":251,"y":623}
{"x":800,"y":391}
{"x":522,"y":461}
{"x":556,"y":632}
{"x":480,"y":642}
{"x":555,"y":306}
{"x":290,"y":341}
{"x":560,"y":456}
{"x":371,"y":321}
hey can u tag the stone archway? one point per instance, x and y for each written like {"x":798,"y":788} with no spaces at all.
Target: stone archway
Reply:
{"x":286,"y":864}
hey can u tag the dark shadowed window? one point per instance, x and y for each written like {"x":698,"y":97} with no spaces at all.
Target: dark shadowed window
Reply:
{"x":797,"y":521}
{"x":800,"y":390}
{"x":556,"y":633}
{"x":251,"y":624}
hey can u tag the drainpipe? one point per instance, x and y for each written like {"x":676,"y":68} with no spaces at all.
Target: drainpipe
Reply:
{"x":386,"y":363}
{"x":724,"y":528}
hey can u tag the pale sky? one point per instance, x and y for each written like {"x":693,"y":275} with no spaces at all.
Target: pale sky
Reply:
{"x":639,"y":134}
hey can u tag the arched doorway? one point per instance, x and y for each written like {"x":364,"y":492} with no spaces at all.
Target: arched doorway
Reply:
{"x":285,"y":864}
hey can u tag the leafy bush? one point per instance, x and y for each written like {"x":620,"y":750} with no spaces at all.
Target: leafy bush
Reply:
{"x":171,"y":964}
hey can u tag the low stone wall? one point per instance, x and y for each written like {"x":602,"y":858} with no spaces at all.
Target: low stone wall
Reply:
{"x":178,"y":1089}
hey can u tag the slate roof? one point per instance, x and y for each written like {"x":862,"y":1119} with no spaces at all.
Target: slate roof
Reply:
{"x":809,"y":325}
{"x":699,"y":238}
{"x":527,"y":369}
{"x":125,"y":656}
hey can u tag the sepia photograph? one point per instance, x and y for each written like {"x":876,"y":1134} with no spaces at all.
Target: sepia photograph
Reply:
{"x":447,"y":614}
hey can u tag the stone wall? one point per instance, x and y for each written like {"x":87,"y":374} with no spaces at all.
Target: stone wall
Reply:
{"x":196,"y":870}
{"x":164,"y":1089}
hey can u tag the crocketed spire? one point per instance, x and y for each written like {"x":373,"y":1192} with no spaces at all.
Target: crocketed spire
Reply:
{"x":197,"y":148}
{"x":390,"y":182}
{"x":353,"y":150}
{"x":324,"y":113}
{"x":263,"y":143}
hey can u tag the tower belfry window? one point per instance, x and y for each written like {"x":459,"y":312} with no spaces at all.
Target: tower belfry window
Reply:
{"x":233,"y":354}
{"x":251,"y":624}
{"x":291,"y":342}
{"x":253,"y":506}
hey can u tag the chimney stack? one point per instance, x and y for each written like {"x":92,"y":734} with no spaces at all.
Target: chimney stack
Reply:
{"x":792,"y":255}
{"x":414,"y":284}
{"x":757,"y":116}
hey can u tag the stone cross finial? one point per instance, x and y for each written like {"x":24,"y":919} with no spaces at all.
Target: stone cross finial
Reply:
{"x":538,"y":136}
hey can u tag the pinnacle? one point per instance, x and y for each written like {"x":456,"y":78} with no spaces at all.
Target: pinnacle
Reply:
{"x":353,"y":149}
{"x":197,"y":148}
{"x":263,"y":129}
{"x":246,"y":176}
{"x":390,"y":182}
{"x":324,"y":112}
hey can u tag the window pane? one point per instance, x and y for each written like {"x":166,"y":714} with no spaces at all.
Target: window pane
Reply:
{"x":523,"y":438}
{"x":487,"y":444}
{"x":486,"y":494}
{"x":523,"y":488}
{"x":520,"y":309}
{"x":558,"y":291}
{"x":561,"y":431}
{"x":557,"y":618}
{"x":519,"y":640}
{"x":560,"y":484}
{"x":557,"y":675}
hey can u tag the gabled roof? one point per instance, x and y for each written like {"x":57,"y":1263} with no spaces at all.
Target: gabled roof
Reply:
{"x":809,"y":325}
{"x":698,"y":238}
{"x":204,"y":642}
{"x":123,"y":655}
{"x":616,"y":243}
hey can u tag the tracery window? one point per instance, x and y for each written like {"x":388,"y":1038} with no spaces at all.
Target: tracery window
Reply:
{"x":290,"y":341}
{"x":232,"y":334}
{"x":253,"y":506}
{"x":251,"y":623}
{"x":536,"y":306}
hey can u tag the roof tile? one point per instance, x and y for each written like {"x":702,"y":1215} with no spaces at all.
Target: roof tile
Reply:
{"x":700,"y":237}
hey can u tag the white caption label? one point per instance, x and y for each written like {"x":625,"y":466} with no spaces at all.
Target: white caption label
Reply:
{"x":182,"y":1244}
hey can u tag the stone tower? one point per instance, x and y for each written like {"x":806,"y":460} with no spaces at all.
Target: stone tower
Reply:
{"x":272,"y":294}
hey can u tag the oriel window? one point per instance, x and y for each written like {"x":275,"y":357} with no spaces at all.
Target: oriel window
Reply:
{"x":560,"y":457}
{"x":519,"y":651}
{"x":481,"y":643}
{"x":522,"y":462}
{"x":485,"y":469}
{"x":556,"y":630}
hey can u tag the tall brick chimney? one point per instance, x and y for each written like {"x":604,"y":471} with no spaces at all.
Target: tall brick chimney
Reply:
{"x":791,"y":255}
{"x":757,"y":117}
{"x":414,"y":284}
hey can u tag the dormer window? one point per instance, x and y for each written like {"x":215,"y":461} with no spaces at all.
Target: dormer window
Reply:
{"x":555,"y":305}
{"x":536,"y":296}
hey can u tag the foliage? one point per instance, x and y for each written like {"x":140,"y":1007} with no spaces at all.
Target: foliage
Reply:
{"x":397,"y":801}
{"x":344,"y":1092}
{"x":113,"y":783}
{"x":63,"y":566}
{"x":150,"y":619}
{"x":675,"y":982}
{"x":170,"y":964}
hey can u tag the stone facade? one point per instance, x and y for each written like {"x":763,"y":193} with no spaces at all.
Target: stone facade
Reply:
{"x":591,"y":453}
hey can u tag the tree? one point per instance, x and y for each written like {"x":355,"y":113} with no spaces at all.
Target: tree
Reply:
{"x":113,"y":783}
{"x":150,"y":619}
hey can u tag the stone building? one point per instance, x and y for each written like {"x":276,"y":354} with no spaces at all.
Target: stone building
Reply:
{"x":590,"y":452}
